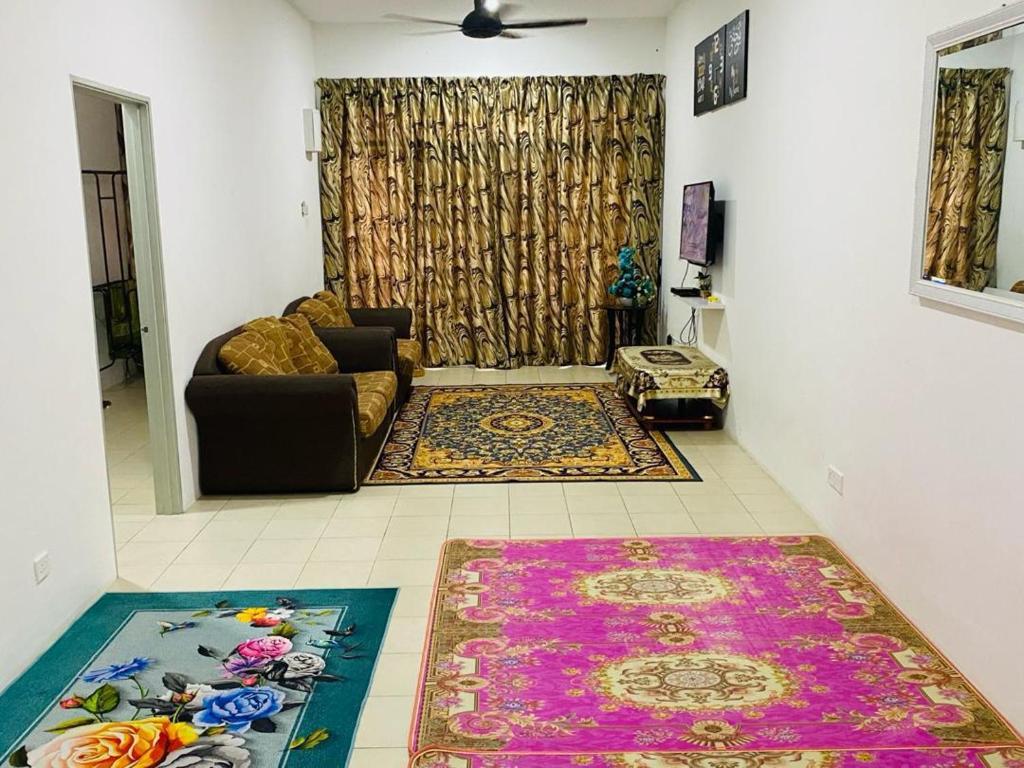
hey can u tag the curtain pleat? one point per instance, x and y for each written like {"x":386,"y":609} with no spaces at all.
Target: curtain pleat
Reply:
{"x":965,"y":194}
{"x":494,"y":208}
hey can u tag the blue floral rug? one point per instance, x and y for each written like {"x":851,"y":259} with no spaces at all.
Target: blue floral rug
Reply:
{"x":200,"y":680}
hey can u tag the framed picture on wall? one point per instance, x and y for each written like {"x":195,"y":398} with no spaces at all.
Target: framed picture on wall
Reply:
{"x":736,"y":58}
{"x":709,"y":73}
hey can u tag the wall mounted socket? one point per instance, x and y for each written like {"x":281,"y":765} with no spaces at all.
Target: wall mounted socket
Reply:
{"x":835,"y":480}
{"x":41,"y":567}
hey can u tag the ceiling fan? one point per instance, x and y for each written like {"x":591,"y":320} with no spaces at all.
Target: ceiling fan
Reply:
{"x":484,"y":21}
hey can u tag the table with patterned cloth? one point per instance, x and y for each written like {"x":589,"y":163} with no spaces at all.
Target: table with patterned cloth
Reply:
{"x":669,"y":373}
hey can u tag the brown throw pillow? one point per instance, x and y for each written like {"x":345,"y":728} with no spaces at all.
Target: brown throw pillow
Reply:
{"x":309,"y":354}
{"x":318,"y":313}
{"x":342,"y":318}
{"x":277,"y":332}
{"x":249,"y":353}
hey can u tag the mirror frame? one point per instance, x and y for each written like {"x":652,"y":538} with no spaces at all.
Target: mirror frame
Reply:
{"x":985,"y":303}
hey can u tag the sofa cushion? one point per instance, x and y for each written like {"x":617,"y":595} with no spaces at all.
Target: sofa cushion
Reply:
{"x":250,"y":353}
{"x":375,"y":391}
{"x":308,"y":353}
{"x":318,"y":313}
{"x":342,"y":317}
{"x":277,"y":333}
{"x":410,"y":355}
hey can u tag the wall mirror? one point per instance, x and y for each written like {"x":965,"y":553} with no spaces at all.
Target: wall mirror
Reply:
{"x":969,"y":244}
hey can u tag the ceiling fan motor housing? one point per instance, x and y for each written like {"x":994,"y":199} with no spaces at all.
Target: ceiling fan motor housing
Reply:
{"x":481,"y":24}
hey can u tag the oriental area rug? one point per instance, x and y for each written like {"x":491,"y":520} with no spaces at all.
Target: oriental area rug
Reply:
{"x":523,"y":433}
{"x":685,"y":652}
{"x":200,"y":680}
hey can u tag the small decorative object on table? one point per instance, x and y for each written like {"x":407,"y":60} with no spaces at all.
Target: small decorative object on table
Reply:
{"x":632,"y":286}
{"x":704,"y":283}
{"x":632,"y":293}
{"x":672,"y":386}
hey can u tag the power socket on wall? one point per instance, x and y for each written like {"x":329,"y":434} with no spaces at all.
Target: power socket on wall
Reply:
{"x":41,"y":567}
{"x":835,"y":479}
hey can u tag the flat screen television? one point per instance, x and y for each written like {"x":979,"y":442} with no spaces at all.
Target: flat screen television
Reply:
{"x":699,"y":239}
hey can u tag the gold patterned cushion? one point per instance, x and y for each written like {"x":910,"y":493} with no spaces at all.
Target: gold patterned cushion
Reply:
{"x":250,"y":353}
{"x":318,"y":313}
{"x":375,"y":391}
{"x":341,"y":316}
{"x":308,"y":353}
{"x":410,"y":354}
{"x":276,"y":332}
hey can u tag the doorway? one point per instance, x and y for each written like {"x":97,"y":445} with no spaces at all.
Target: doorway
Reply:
{"x":133,"y":358}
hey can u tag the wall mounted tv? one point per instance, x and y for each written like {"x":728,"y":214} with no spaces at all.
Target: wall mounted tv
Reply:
{"x":702,"y":224}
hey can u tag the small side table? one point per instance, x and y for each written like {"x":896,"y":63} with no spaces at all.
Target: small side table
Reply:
{"x":625,"y":327}
{"x":672,"y":387}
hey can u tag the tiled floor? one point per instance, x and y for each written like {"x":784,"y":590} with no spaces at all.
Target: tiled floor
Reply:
{"x":390,"y":536}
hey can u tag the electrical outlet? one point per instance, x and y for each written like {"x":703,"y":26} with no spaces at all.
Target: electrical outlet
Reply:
{"x":41,"y":567}
{"x":835,"y":480}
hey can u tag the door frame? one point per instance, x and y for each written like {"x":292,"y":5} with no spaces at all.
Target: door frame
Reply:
{"x":149,"y":275}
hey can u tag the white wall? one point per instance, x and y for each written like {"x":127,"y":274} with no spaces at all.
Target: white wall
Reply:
{"x":603,"y":47}
{"x":227,"y":82}
{"x":832,"y":361}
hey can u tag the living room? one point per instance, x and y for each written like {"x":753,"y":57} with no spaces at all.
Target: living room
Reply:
{"x":849,"y":396}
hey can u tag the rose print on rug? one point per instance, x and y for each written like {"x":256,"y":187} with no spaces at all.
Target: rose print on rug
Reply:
{"x":192,"y":681}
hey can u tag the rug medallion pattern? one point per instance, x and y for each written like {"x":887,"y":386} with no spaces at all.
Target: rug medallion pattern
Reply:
{"x":769,"y":652}
{"x":523,"y":433}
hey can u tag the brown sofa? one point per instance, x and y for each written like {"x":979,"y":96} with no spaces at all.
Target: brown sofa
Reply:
{"x":289,"y":434}
{"x":399,"y":319}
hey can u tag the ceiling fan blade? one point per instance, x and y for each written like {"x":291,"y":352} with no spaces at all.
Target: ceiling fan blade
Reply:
{"x":434,"y":32}
{"x":545,"y":24}
{"x":512,"y":35}
{"x":419,"y":19}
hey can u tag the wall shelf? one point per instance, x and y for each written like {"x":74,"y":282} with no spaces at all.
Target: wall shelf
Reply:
{"x":697,"y":302}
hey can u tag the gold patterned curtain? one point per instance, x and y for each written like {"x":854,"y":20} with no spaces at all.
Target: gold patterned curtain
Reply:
{"x":493,"y":208}
{"x":966,"y":188}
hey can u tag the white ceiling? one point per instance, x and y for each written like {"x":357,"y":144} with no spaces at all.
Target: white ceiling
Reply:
{"x":357,"y":11}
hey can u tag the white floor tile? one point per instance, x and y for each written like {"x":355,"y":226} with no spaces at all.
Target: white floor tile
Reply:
{"x":355,"y":527}
{"x":149,"y":552}
{"x":294,"y":529}
{"x":418,"y":526}
{"x":654,"y":504}
{"x":617,"y":524}
{"x":384,"y":722}
{"x":410,"y":547}
{"x":663,"y":523}
{"x":402,"y":573}
{"x":346,"y":550}
{"x":187,"y":577}
{"x":413,"y":602}
{"x":540,"y":505}
{"x":495,"y":506}
{"x":486,"y":527}
{"x":713,"y":505}
{"x":738,"y":523}
{"x":264,"y":576}
{"x":174,"y":527}
{"x":280,"y":551}
{"x":422,"y":507}
{"x":526,"y":526}
{"x":379,"y":758}
{"x":405,"y":635}
{"x":213,"y":552}
{"x":333,"y":575}
{"x":596,"y":505}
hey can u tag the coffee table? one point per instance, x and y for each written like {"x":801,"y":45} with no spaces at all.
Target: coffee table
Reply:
{"x":672,"y":386}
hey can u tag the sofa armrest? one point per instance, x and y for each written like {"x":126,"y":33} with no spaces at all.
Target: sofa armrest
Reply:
{"x":399,"y":318}
{"x":293,"y":403}
{"x":275,"y":433}
{"x":361,"y":349}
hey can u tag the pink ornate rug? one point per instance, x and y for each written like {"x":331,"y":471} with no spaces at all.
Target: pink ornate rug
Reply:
{"x":696,"y":652}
